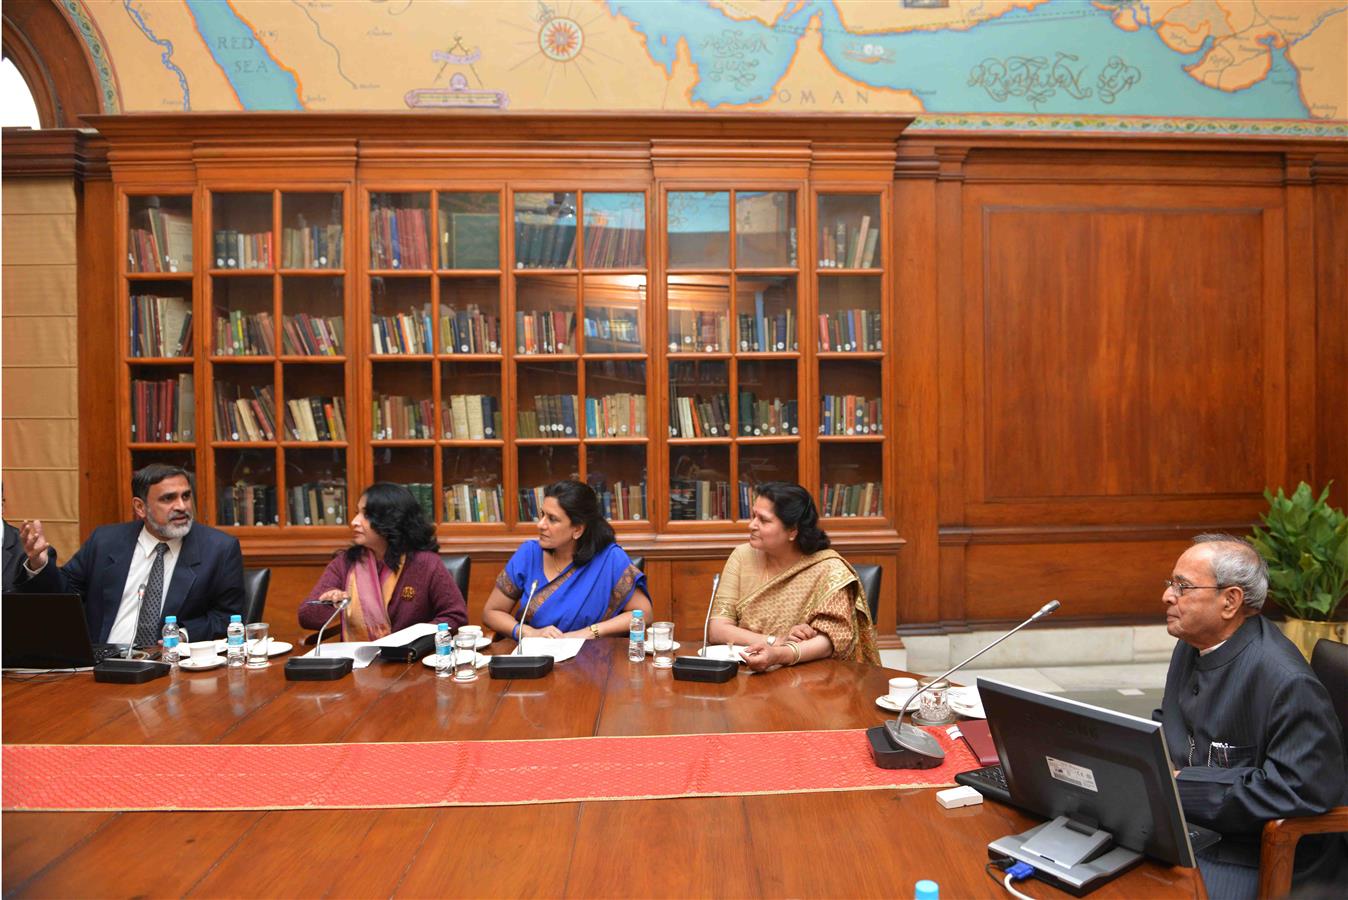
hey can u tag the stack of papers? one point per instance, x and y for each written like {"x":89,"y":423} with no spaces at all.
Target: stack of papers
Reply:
{"x":362,"y":653}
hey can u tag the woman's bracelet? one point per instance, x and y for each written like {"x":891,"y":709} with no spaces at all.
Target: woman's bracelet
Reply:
{"x":795,"y":651}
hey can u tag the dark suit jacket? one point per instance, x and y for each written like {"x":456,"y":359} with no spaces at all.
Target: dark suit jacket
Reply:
{"x":207,"y":585}
{"x":13,"y":572}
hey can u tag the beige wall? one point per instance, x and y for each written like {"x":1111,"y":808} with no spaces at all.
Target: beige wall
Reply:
{"x":38,"y":368}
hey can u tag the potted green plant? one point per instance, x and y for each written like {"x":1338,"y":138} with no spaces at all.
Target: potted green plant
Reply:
{"x":1305,"y":543}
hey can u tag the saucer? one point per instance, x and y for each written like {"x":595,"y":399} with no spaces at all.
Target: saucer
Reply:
{"x":481,"y":660}
{"x":650,"y":645}
{"x":214,"y":662}
{"x":966,"y":702}
{"x":888,"y":702}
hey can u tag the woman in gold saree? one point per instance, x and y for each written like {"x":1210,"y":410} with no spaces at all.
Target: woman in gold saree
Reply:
{"x":785,"y":594}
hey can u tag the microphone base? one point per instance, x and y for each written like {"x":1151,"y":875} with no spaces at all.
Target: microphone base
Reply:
{"x":520,"y":666}
{"x":889,"y":755}
{"x":130,"y":671}
{"x":318,"y":668}
{"x":710,"y":671}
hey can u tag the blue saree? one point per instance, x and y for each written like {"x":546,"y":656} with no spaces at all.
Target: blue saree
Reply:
{"x":578,"y":597}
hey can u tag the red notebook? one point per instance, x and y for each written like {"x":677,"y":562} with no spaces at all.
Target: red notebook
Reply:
{"x":979,"y":739}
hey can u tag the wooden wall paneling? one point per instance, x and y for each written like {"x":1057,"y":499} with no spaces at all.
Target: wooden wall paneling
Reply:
{"x":953,"y":432}
{"x":98,"y":355}
{"x":1298,"y":235}
{"x":1331,"y":334}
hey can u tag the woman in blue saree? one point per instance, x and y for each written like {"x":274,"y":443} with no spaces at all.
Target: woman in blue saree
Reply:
{"x":575,"y":580}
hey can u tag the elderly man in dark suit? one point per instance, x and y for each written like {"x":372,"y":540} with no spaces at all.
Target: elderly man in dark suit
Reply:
{"x":1246,"y":721}
{"x":133,"y":574}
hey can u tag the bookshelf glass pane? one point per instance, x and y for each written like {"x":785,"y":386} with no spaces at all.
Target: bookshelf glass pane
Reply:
{"x":767,"y":399}
{"x":699,"y":483}
{"x":699,"y":313}
{"x":313,"y":321}
{"x":615,"y":313}
{"x":402,"y":407}
{"x":245,"y":487}
{"x":699,"y":229}
{"x":470,"y":315}
{"x":472,"y":479}
{"x":545,"y":401}
{"x":765,"y":313}
{"x":400,"y":315}
{"x":311,"y":231}
{"x":241,"y":236}
{"x":849,"y":314}
{"x":400,"y":231}
{"x":615,"y":399}
{"x":315,"y":402}
{"x":765,"y":229}
{"x":159,"y":234}
{"x":849,"y":397}
{"x":545,"y":230}
{"x":850,"y":476}
{"x":413,"y":468}
{"x":245,"y":403}
{"x":699,"y":399}
{"x":163,"y":405}
{"x":618,"y":476}
{"x":849,"y":231}
{"x":316,"y":487}
{"x":161,"y":319}
{"x":615,"y":231}
{"x":545,"y":314}
{"x":760,"y":463}
{"x":540,"y":467}
{"x":241,"y":316}
{"x":183,"y":459}
{"x":470,"y":405}
{"x":470,"y":230}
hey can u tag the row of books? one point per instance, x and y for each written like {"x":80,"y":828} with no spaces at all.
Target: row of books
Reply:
{"x":472,"y":417}
{"x":612,"y":330}
{"x":247,"y":504}
{"x":317,"y":503}
{"x":399,"y":238}
{"x":615,"y":415}
{"x":160,"y":326}
{"x":244,"y":334}
{"x":408,"y":332}
{"x":850,"y":414}
{"x":469,"y":330}
{"x":545,"y":331}
{"x":424,"y":493}
{"x":694,"y":331}
{"x":312,"y":246}
{"x":698,"y":500}
{"x":850,"y":330}
{"x":611,"y":247}
{"x":759,"y":418}
{"x":402,"y":418}
{"x":306,"y":335}
{"x":239,"y":417}
{"x":160,"y":241}
{"x":769,"y":334}
{"x":242,"y":250}
{"x":852,"y":500}
{"x":842,"y":246}
{"x":695,"y":417}
{"x":466,"y":502}
{"x":316,"y":419}
{"x":553,"y":416}
{"x":163,"y":410}
{"x":544,"y":242}
{"x":621,"y":501}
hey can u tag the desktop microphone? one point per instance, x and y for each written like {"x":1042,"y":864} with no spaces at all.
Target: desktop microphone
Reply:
{"x":517,"y":665}
{"x":699,"y":668}
{"x":900,"y":745}
{"x":319,"y":667}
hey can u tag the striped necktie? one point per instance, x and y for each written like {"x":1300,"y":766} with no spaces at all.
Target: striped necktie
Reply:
{"x":148,"y":624}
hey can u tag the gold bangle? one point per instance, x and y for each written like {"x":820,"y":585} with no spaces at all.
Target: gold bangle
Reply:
{"x":594,"y":630}
{"x":795,"y":650}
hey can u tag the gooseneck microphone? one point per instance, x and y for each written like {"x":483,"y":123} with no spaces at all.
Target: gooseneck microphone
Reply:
{"x":516,"y":664}
{"x":337,"y":608}
{"x":706,"y":621}
{"x":524,"y":611}
{"x":319,"y":667}
{"x":699,"y":668}
{"x":911,"y":747}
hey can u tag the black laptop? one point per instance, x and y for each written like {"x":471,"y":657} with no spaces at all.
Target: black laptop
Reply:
{"x":48,"y":631}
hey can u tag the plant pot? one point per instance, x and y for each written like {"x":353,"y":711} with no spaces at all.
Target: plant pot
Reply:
{"x":1304,"y":633}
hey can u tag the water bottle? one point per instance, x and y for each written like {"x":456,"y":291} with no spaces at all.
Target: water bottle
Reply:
{"x":926,"y":889}
{"x":636,"y":637}
{"x":170,"y":654}
{"x":234,"y":642}
{"x":444,"y":651}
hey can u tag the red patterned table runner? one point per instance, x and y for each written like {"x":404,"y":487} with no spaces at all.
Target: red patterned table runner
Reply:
{"x":452,"y":773}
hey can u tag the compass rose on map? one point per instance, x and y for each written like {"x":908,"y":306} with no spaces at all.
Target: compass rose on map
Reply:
{"x":561,"y":39}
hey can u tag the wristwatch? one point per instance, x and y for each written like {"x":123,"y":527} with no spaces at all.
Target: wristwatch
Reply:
{"x":594,"y":630}
{"x":772,"y":639}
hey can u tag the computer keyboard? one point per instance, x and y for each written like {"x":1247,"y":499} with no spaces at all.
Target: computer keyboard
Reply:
{"x":990,"y":781}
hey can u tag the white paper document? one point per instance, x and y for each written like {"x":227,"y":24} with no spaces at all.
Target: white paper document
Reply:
{"x":362,"y":653}
{"x":560,"y":649}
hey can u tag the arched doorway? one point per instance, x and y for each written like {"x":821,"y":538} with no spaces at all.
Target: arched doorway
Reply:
{"x":53,"y":59}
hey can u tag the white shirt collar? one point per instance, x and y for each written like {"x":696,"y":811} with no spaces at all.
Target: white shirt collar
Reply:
{"x":1210,"y":649}
{"x":147,"y":542}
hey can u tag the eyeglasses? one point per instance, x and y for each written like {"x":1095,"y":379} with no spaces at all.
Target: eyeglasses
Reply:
{"x":1179,"y":587}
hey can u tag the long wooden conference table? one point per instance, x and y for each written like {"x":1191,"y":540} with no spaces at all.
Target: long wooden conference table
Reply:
{"x":830,"y":844}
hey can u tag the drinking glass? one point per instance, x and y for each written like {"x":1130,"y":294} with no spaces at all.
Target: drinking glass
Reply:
{"x":662,"y":636}
{"x":258,"y":644}
{"x":465,"y":656}
{"x":934,"y":704}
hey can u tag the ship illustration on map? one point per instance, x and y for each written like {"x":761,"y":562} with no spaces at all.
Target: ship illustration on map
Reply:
{"x":458,"y":94}
{"x":868,"y":53}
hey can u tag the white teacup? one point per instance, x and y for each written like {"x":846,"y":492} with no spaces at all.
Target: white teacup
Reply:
{"x":900,"y":689}
{"x":474,"y":630}
{"x":202,"y":652}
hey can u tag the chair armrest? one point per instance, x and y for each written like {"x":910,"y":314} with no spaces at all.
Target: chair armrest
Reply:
{"x":1277,"y":851}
